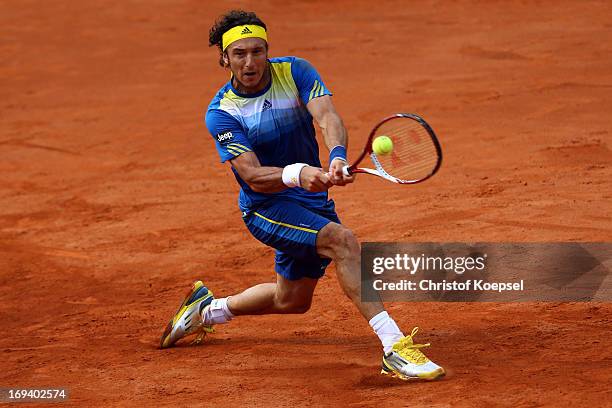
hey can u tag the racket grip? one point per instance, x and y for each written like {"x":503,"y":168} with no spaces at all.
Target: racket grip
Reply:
{"x":346,"y":171}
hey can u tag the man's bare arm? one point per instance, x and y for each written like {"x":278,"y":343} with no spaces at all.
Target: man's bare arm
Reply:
{"x":324,"y":113}
{"x":265,"y":179}
{"x":334,"y":134}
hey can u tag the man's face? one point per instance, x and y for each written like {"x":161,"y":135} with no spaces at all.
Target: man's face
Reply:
{"x":248,"y":60}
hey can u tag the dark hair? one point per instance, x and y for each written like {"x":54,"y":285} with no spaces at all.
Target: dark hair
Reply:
{"x":228,"y":21}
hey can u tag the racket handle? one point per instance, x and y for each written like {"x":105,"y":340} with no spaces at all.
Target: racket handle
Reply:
{"x":346,"y":171}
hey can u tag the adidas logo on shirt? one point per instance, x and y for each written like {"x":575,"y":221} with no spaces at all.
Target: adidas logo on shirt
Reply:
{"x":267,"y":105}
{"x":246,"y":31}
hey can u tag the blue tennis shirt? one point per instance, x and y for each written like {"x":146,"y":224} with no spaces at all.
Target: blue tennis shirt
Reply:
{"x":274,"y":124}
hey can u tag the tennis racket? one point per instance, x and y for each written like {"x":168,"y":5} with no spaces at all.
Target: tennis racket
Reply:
{"x":416,"y":154}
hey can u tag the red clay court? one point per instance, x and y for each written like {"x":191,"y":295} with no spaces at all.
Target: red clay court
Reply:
{"x":113,"y":200}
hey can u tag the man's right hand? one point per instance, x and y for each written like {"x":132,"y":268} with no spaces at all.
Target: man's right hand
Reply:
{"x":314,"y":179}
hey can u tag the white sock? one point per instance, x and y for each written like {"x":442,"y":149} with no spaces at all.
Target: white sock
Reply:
{"x":217,"y":313}
{"x":387,"y":330}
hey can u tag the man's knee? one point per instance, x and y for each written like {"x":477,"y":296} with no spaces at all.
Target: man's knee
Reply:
{"x":293,"y":306}
{"x":294,"y":297}
{"x":342,"y":242}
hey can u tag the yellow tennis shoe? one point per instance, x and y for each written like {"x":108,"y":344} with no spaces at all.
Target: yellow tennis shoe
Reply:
{"x":407,"y":362}
{"x":188,"y":318}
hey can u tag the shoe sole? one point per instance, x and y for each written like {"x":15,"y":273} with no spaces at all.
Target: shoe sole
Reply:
{"x":165,"y":338}
{"x":434,"y":375}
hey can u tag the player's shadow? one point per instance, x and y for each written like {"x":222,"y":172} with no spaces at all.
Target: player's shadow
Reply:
{"x":377,"y":381}
{"x":297,"y":340}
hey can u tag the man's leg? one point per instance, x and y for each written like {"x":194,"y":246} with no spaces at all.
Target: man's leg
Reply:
{"x":292,"y":230}
{"x":200,"y":311}
{"x":284,"y":296}
{"x":402,"y":358}
{"x":338,"y":243}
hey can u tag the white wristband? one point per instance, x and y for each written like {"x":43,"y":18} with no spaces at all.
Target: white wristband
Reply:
{"x":291,"y":174}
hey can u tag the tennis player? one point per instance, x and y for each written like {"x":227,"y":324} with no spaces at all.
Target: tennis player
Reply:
{"x":262,"y":123}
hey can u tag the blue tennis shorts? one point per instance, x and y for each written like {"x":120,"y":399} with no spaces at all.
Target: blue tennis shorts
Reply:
{"x":292,"y":230}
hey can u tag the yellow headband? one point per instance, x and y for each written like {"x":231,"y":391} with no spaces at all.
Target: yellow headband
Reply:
{"x":243,"y":31}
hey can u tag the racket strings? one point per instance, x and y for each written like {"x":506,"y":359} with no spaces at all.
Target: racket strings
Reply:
{"x":414,"y":154}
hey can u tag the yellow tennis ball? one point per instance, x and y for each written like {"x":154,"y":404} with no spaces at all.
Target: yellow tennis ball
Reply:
{"x":382,"y":145}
